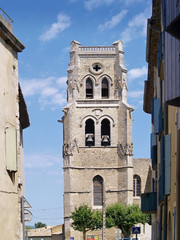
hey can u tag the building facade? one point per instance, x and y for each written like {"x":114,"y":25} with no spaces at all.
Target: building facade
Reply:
{"x":46,"y":233}
{"x":13,"y":119}
{"x":162,"y":101}
{"x":98,"y":149}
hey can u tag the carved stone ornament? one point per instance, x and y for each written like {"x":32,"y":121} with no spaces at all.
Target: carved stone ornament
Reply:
{"x":120,"y":83}
{"x":125,"y":149}
{"x":96,"y":68}
{"x":73,"y":85}
{"x":68,"y":147}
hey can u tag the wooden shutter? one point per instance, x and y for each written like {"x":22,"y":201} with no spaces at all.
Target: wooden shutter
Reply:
{"x":11,"y":149}
{"x":167,"y":164}
{"x":161,"y":171}
{"x":156,"y":114}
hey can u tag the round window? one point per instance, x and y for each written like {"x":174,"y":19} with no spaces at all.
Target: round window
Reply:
{"x":96,"y":68}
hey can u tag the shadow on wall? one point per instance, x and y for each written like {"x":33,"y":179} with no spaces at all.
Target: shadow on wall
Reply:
{"x":148,"y":185}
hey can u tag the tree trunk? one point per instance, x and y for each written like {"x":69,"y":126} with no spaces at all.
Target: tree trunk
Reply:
{"x":126,"y":234}
{"x":84,"y":235}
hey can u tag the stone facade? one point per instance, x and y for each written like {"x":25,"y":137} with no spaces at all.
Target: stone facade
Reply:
{"x":97,"y":112}
{"x":13,"y":119}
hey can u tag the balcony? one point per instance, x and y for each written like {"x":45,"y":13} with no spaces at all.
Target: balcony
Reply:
{"x":149,"y":202}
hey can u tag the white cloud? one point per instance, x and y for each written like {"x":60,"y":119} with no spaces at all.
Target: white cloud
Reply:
{"x":48,"y":91}
{"x":61,"y":81}
{"x":128,"y":2}
{"x":40,"y":160}
{"x":115,"y":20}
{"x":63,"y":22}
{"x":135,"y":94}
{"x":136,"y":73}
{"x":136,"y":27}
{"x":90,"y":4}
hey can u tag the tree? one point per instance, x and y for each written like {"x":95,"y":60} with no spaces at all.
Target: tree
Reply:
{"x":125,"y":217}
{"x":40,"y":225}
{"x":84,"y":219}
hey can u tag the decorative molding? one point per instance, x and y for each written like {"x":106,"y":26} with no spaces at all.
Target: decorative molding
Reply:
{"x":90,"y":76}
{"x":96,"y":68}
{"x":125,"y":149}
{"x":73,"y":84}
{"x":69,"y":146}
{"x":120,"y":83}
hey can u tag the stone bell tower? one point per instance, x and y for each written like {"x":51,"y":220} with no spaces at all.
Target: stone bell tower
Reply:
{"x":98,"y":148}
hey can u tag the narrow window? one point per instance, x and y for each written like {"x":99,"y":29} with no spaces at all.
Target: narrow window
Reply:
{"x":105,"y":88}
{"x":98,"y":190}
{"x":89,"y":133}
{"x":136,"y":186}
{"x":89,"y":88}
{"x":105,"y":132}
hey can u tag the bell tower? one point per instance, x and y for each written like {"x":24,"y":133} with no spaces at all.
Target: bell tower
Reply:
{"x":97,"y":123}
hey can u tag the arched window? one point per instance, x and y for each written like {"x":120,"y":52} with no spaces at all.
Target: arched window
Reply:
{"x":98,"y":191}
{"x":89,"y":88}
{"x":105,"y":132}
{"x":105,"y":88}
{"x":89,"y":133}
{"x":136,"y":186}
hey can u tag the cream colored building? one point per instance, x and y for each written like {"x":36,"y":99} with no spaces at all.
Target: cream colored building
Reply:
{"x":162,"y":101}
{"x":98,"y":151}
{"x":13,"y":119}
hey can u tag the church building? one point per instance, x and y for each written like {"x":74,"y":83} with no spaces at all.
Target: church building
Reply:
{"x":99,"y":168}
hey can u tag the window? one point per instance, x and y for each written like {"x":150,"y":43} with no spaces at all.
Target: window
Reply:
{"x":136,"y":186}
{"x":98,"y":190}
{"x":105,"y":88}
{"x":105,"y":132}
{"x":89,"y":88}
{"x":89,"y":133}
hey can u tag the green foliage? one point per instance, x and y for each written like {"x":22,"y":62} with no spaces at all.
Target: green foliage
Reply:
{"x":28,"y":227}
{"x":97,"y":220}
{"x":84,"y":219}
{"x":125,"y":217}
{"x":40,"y":225}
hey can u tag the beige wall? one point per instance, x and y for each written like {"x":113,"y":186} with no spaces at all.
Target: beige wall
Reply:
{"x":10,"y":191}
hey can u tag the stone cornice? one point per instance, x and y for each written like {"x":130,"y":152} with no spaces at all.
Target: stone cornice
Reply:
{"x":97,"y":168}
{"x":10,"y":39}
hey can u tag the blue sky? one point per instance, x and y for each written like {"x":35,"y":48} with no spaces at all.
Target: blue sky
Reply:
{"x":46,"y":28}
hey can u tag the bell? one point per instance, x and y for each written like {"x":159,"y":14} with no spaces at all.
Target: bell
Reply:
{"x":89,"y":138}
{"x":105,"y":139}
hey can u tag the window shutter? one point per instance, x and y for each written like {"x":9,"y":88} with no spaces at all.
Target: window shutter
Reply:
{"x":152,"y":110}
{"x":167,"y":164}
{"x":156,"y":115}
{"x":11,"y":149}
{"x":159,"y":53}
{"x":161,"y":171}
